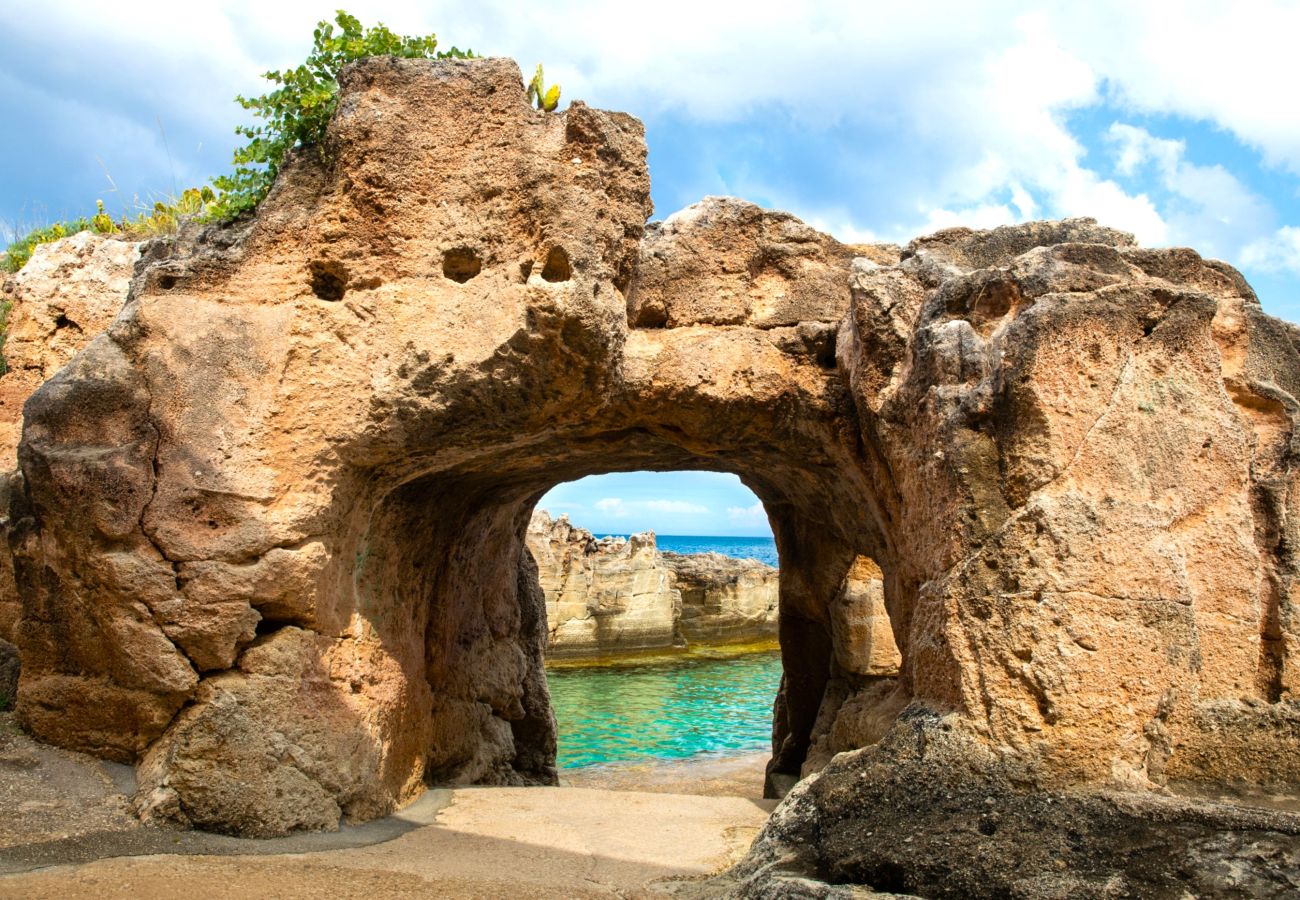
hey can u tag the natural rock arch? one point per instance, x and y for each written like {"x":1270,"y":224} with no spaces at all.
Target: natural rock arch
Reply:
{"x":270,"y":538}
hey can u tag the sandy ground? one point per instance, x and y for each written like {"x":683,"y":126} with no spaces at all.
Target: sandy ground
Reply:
{"x":66,"y":831}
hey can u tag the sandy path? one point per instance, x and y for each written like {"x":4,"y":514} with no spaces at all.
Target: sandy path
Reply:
{"x":66,"y":831}
{"x":489,"y":842}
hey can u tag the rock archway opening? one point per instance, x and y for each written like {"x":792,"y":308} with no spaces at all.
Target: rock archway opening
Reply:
{"x":453,"y":560}
{"x":661,"y":595}
{"x":269,"y":533}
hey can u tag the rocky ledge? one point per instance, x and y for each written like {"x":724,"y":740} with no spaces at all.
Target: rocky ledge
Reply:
{"x":614,"y":595}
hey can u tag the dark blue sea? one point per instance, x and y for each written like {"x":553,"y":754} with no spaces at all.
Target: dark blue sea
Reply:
{"x":762,"y":549}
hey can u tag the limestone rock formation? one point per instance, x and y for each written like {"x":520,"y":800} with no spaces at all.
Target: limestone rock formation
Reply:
{"x":615,"y":595}
{"x":68,"y":292}
{"x":724,"y":600}
{"x":306,"y":452}
{"x":602,"y":596}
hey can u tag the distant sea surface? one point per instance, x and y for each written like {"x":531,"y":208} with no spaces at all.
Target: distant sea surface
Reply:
{"x":761,"y":549}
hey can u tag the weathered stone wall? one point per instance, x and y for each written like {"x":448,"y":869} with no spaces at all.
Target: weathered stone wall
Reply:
{"x":602,"y":596}
{"x":68,"y":292}
{"x":615,"y":595}
{"x":724,"y":600}
{"x":303,"y":457}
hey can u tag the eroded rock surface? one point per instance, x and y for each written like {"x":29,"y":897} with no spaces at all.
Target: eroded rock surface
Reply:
{"x":613,"y":595}
{"x":304,"y":456}
{"x":724,"y":600}
{"x":602,"y":596}
{"x":68,"y":292}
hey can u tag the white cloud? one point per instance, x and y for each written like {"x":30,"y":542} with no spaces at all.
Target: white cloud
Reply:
{"x":747,"y":515}
{"x":680,"y":507}
{"x":1208,"y":208}
{"x":622,"y":509}
{"x":1278,"y":252}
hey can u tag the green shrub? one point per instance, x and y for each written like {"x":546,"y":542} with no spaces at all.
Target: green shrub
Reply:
{"x":297,"y":112}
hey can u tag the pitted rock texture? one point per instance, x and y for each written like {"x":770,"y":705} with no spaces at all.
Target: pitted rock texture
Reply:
{"x":306,"y":453}
{"x":603,"y":596}
{"x":68,"y":292}
{"x":614,"y":595}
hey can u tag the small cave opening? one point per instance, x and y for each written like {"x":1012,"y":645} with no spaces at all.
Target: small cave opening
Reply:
{"x":461,"y":264}
{"x":557,"y":267}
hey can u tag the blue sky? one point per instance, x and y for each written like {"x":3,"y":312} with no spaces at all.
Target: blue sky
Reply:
{"x":874,"y":121}
{"x":708,"y":503}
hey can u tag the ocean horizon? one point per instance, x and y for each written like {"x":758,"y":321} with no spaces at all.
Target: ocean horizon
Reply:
{"x":762,"y":549}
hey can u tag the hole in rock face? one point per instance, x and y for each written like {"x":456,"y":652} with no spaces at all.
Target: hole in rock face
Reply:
{"x":167,"y":282}
{"x":461,"y":264}
{"x":681,"y":657}
{"x":329,"y":279}
{"x":557,"y":266}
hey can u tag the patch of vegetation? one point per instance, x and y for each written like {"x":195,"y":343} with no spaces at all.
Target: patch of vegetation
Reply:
{"x":297,"y":112}
{"x":5,"y":702}
{"x":545,"y":98}
{"x":164,"y":217}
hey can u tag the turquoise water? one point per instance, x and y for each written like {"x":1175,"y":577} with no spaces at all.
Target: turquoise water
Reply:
{"x":762,"y":549}
{"x":668,"y":710}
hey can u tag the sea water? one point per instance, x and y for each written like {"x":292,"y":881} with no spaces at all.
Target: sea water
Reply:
{"x":665,"y":710}
{"x":670,"y":709}
{"x":762,"y":549}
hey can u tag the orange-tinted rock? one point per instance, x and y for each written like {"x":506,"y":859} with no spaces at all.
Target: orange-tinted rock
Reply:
{"x":326,"y":428}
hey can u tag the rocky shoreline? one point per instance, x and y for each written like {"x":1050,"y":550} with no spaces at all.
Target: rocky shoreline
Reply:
{"x":609,"y":597}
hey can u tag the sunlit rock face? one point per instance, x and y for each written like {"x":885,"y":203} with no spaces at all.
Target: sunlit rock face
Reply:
{"x":614,"y":595}
{"x":68,"y":292}
{"x":603,"y":597}
{"x":303,"y":458}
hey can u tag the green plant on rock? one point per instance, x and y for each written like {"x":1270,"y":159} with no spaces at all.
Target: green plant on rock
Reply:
{"x":546,"y":99}
{"x":297,"y":112}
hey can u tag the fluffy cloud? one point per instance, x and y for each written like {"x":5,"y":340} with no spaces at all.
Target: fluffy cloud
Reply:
{"x":753,"y":515}
{"x":620,"y":508}
{"x":1278,"y":252}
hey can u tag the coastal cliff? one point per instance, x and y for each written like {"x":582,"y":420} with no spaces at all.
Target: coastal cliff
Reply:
{"x":612,"y":595}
